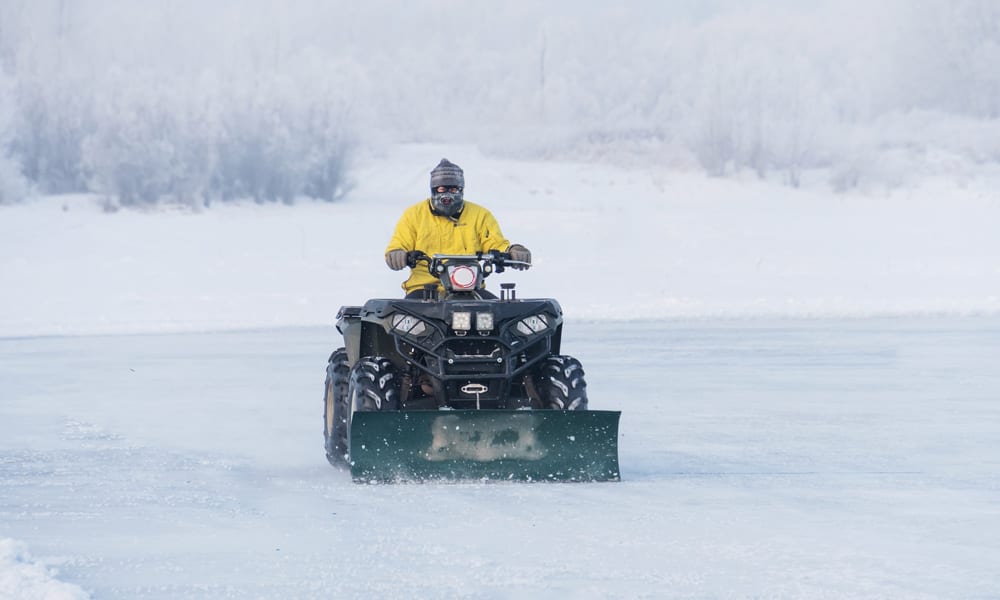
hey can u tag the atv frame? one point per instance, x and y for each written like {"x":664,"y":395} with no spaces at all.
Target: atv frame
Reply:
{"x":490,"y":365}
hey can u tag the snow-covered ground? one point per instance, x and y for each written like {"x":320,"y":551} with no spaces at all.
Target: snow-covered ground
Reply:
{"x":760,"y":459}
{"x":807,"y":381}
{"x":612,"y":242}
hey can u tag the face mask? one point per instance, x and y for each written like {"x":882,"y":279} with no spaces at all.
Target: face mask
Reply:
{"x":447,"y":204}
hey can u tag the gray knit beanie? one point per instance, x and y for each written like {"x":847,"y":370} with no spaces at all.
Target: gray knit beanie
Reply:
{"x":448,"y":174}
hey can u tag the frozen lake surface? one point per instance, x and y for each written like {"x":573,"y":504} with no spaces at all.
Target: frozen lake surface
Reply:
{"x":760,"y":458}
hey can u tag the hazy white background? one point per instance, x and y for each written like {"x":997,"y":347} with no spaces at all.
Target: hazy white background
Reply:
{"x":696,"y":163}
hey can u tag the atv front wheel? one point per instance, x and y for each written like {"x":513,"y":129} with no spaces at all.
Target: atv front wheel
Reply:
{"x":373,"y":384}
{"x":561,"y":383}
{"x":335,"y":408}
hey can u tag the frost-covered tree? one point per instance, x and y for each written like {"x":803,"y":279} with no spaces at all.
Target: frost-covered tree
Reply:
{"x":55,"y":115}
{"x":194,"y":102}
{"x":13,"y":185}
{"x":754,"y":97}
{"x":280,"y":140}
{"x":172,"y":102}
{"x":151,"y":144}
{"x":948,"y":54}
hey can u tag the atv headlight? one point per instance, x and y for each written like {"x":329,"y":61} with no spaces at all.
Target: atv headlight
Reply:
{"x":484,"y":321}
{"x":408,"y":324}
{"x":461,"y":321}
{"x":463,"y":277}
{"x":533,"y":324}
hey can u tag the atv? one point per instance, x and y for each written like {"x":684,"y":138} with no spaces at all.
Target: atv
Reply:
{"x":459,"y":384}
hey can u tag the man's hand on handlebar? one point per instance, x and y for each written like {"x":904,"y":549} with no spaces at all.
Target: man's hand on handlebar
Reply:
{"x":520,"y":254}
{"x":396,"y":259}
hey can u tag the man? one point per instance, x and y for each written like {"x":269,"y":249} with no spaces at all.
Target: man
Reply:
{"x":445,"y":224}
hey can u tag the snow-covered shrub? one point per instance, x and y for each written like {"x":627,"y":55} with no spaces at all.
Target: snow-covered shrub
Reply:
{"x":152,"y":143}
{"x":277,"y":142}
{"x":753,"y":99}
{"x":55,"y":115}
{"x":268,"y":142}
{"x":13,"y":185}
{"x":946,"y":55}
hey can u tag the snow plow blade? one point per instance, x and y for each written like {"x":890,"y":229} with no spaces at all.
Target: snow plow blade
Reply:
{"x":521,"y":445}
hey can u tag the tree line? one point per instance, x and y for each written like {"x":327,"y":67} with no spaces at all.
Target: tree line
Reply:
{"x":196,"y":102}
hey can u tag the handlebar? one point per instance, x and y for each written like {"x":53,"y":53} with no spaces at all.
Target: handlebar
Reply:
{"x":499,"y":260}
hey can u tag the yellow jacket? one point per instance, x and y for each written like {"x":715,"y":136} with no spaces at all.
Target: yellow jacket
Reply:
{"x":475,"y":230}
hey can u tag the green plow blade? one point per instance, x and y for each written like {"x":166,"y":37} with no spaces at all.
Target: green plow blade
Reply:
{"x":523,"y":445}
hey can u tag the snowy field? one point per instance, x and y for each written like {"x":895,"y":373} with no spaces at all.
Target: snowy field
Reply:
{"x":795,"y":459}
{"x":608,"y":242}
{"x":807,"y":381}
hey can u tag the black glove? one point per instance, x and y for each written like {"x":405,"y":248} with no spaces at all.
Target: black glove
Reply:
{"x":521,"y":254}
{"x":396,"y":259}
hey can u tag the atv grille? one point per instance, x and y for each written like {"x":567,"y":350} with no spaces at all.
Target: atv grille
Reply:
{"x":473,"y":357}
